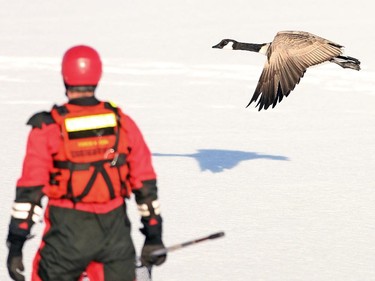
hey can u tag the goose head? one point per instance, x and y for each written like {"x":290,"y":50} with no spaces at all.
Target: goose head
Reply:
{"x":226,"y":44}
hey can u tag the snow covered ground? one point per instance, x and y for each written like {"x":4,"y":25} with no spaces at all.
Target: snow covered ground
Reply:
{"x":293,"y":187}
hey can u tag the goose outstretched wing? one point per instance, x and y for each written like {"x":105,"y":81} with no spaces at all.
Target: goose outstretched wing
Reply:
{"x":288,"y":57}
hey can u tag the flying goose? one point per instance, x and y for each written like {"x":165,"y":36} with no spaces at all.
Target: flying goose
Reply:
{"x":288,"y":56}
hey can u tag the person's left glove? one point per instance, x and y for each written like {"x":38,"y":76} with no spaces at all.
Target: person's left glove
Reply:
{"x":14,"y":261}
{"x":150,"y":246}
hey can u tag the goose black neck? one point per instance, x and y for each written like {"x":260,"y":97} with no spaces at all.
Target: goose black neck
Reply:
{"x":248,"y":46}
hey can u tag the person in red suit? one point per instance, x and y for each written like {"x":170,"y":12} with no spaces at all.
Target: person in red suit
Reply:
{"x":86,"y":156}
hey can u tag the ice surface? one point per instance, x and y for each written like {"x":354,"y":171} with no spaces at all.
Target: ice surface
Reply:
{"x":293,"y":187}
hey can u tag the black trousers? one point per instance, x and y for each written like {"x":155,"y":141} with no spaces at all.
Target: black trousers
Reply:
{"x":74,"y":239}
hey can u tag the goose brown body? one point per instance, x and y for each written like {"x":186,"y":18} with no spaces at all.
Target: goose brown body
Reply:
{"x":288,"y":57}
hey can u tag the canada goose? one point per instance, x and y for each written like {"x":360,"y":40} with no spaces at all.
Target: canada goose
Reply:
{"x":288,"y":56}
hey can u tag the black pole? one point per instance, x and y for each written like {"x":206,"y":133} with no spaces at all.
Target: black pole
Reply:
{"x":185,"y":244}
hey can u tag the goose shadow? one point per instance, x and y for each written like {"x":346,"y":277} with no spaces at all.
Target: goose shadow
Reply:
{"x":218,"y":160}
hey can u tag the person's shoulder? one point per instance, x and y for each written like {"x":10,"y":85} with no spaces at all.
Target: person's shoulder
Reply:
{"x":114,"y":107}
{"x":119,"y":111}
{"x":40,"y":118}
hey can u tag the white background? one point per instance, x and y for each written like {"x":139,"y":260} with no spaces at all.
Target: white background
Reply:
{"x":292,"y":187}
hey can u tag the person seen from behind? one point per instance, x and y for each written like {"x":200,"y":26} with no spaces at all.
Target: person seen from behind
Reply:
{"x":86,"y":156}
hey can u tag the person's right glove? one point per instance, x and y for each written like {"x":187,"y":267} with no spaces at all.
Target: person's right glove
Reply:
{"x":150,"y":246}
{"x":148,"y":205}
{"x":14,"y":261}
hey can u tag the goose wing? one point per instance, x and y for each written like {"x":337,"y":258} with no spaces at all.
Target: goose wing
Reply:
{"x":288,"y":57}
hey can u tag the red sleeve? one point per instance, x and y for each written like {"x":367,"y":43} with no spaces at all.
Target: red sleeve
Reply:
{"x":139,"y":158}
{"x":41,"y":144}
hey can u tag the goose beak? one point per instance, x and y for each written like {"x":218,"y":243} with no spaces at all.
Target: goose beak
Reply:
{"x":217,"y":46}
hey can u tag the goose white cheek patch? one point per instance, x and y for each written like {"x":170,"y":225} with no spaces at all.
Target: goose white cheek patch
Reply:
{"x":229,"y":46}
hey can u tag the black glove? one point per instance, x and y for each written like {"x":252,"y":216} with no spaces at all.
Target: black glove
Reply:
{"x":14,"y":261}
{"x":152,"y":230}
{"x":149,"y":260}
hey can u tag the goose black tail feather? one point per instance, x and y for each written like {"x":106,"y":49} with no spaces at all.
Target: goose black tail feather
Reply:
{"x":347,"y":62}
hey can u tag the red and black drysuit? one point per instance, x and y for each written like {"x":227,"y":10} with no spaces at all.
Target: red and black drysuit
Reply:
{"x":87,"y":228}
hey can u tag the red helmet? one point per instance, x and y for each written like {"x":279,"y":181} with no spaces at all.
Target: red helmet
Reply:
{"x":81,"y":66}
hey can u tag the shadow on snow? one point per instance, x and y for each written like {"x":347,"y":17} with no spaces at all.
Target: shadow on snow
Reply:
{"x":218,"y":160}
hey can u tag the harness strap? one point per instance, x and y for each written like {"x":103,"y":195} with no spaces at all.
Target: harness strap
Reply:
{"x":72,"y":166}
{"x":99,"y":168}
{"x":108,"y":105}
{"x":89,"y":186}
{"x":115,"y":110}
{"x":108,"y":181}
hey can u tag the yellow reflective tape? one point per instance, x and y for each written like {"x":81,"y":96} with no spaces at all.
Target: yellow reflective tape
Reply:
{"x":90,"y":122}
{"x":112,"y":104}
